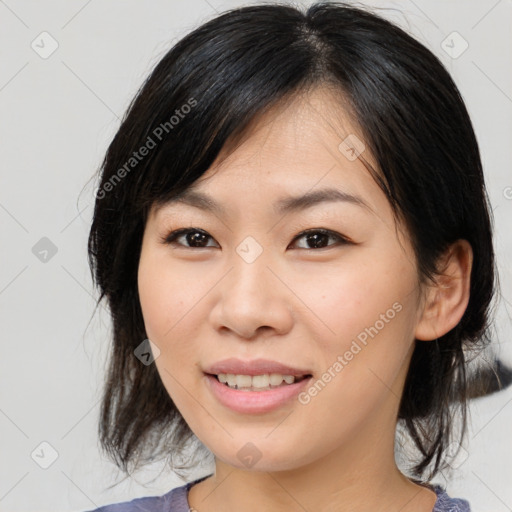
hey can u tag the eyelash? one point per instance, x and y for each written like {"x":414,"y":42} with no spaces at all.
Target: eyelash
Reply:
{"x":170,"y":239}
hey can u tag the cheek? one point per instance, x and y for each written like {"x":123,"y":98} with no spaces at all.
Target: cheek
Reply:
{"x":174,"y":300}
{"x":167,"y":302}
{"x":166,"y":296}
{"x":346,"y":299}
{"x":154,"y":300}
{"x":373,"y":317}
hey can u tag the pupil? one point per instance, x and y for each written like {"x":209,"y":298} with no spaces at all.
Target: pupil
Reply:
{"x":196,"y":238}
{"x":315,"y":240}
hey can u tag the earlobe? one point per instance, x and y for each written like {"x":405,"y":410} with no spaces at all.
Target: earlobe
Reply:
{"x":447,"y":299}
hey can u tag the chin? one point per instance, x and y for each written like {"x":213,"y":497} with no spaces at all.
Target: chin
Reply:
{"x":260,"y":455}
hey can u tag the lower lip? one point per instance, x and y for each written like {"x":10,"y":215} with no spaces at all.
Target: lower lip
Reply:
{"x":254,"y":401}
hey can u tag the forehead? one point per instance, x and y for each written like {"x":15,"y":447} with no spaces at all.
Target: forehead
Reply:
{"x":302,"y":146}
{"x":300,"y":126}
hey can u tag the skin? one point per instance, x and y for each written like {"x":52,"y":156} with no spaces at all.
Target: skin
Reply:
{"x":298,"y":305}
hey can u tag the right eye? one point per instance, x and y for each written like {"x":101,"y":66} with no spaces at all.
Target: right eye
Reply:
{"x":191,"y":238}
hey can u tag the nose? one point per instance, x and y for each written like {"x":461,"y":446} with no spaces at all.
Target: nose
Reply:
{"x":251,"y":299}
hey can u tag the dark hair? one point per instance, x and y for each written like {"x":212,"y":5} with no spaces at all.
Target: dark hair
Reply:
{"x":201,"y":96}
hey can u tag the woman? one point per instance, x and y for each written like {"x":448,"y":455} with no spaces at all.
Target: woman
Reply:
{"x":294,"y":239}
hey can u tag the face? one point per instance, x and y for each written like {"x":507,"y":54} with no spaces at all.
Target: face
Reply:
{"x":254,"y":281}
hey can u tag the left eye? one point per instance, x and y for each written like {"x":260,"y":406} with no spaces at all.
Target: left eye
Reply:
{"x":195,"y":238}
{"x":319,"y":238}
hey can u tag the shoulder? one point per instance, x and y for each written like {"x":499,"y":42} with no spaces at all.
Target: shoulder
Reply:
{"x":173,"y":501}
{"x":446,"y":504}
{"x":176,"y":501}
{"x":169,"y":502}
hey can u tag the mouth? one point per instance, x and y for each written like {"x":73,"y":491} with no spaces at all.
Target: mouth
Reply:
{"x":256,"y":393}
{"x":255,"y":374}
{"x":262,"y":382}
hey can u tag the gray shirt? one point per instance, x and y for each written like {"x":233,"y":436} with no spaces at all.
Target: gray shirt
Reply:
{"x":176,"y":501}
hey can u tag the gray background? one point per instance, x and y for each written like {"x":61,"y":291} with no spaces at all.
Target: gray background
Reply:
{"x":58,"y":115}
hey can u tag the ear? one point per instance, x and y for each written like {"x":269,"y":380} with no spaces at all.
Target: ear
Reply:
{"x":447,"y":298}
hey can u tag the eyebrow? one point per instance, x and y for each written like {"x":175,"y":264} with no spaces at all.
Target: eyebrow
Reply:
{"x":312,"y":198}
{"x":282,"y":206}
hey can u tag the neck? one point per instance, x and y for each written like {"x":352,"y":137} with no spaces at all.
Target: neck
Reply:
{"x":358,"y":476}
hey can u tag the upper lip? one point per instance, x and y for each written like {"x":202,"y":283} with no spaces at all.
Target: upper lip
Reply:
{"x":253,"y":367}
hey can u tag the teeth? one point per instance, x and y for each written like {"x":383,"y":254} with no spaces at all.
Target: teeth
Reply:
{"x":262,"y":382}
{"x":243,"y":381}
{"x":275,"y":379}
{"x":259,"y":381}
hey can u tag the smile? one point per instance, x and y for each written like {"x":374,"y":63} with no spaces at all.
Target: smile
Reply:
{"x":253,"y":399}
{"x":263,"y":382}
